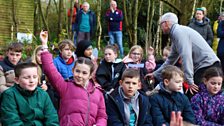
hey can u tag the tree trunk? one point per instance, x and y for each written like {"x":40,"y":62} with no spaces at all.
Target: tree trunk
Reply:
{"x":56,"y":6}
{"x":43,"y":18}
{"x":135,"y":18}
{"x":220,"y":8}
{"x":60,"y":19}
{"x":35,"y":27}
{"x":193,"y":9}
{"x":70,"y":34}
{"x":158,"y":33}
{"x":147,"y":28}
{"x":99,"y":26}
{"x":47,"y":10}
{"x":15,"y":23}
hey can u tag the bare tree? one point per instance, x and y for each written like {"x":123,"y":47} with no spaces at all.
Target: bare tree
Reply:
{"x":99,"y":26}
{"x":60,"y":18}
{"x":158,"y":33}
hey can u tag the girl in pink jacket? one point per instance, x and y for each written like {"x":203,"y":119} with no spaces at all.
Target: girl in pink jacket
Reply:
{"x":81,"y":101}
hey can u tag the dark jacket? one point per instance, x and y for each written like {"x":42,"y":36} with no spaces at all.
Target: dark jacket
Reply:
{"x":204,"y":29}
{"x":20,"y":107}
{"x":92,"y":20}
{"x":114,"y":20}
{"x":115,"y":110}
{"x":163,"y":103}
{"x":104,"y":74}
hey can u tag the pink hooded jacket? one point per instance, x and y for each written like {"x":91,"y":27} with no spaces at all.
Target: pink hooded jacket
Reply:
{"x":78,"y":106}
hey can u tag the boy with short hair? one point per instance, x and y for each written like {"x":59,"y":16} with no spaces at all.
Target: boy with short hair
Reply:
{"x":25,"y":103}
{"x":125,"y":105}
{"x":170,"y":99}
{"x":65,"y":61}
{"x":13,"y":57}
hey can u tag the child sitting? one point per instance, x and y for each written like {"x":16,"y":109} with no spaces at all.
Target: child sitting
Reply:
{"x":134,"y":59}
{"x":65,"y":61}
{"x":25,"y":103}
{"x":125,"y":105}
{"x":169,"y":98}
{"x":13,"y":57}
{"x":81,"y":101}
{"x":110,"y":69}
{"x":208,"y":104}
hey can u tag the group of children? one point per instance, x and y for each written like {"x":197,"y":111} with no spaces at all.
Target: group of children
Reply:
{"x":112,"y":93}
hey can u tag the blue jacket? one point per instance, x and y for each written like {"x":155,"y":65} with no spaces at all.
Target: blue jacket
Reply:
{"x":163,"y":103}
{"x":92,"y":20}
{"x":63,"y":68}
{"x":115,"y":110}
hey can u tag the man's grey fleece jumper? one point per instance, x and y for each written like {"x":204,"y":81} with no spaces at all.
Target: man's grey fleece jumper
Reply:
{"x":191,"y":47}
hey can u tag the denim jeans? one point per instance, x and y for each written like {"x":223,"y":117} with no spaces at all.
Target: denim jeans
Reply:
{"x":116,"y":36}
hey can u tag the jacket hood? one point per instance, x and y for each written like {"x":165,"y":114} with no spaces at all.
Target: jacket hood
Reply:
{"x":205,"y":22}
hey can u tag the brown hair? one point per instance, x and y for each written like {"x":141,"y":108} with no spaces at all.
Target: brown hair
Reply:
{"x":15,"y":46}
{"x":87,"y":61}
{"x":18,"y":68}
{"x":169,"y":71}
{"x":213,"y":72}
{"x":112,"y":47}
{"x":65,"y":42}
{"x":130,"y":73}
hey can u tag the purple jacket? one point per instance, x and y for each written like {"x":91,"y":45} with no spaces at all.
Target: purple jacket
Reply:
{"x":78,"y":106}
{"x":208,"y":110}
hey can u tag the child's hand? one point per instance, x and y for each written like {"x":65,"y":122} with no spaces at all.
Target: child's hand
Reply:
{"x":44,"y":37}
{"x":150,"y":50}
{"x":44,"y":87}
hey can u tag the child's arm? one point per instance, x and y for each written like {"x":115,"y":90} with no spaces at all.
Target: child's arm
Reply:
{"x":50,"y":114}
{"x":3,"y":86}
{"x":196,"y":103}
{"x":156,"y":112}
{"x":150,"y":64}
{"x":101,"y":119}
{"x":9,"y":112}
{"x":54,"y":77}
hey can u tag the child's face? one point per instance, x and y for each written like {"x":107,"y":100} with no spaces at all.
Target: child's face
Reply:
{"x":166,"y":53}
{"x":38,"y":57}
{"x":109,"y":55}
{"x":213,"y":85}
{"x":174,"y":84}
{"x":28,"y":79}
{"x":88,"y":52}
{"x":14,"y":57}
{"x":81,"y":74}
{"x":130,"y":86}
{"x":66,"y":52}
{"x":199,"y":15}
{"x":136,"y":55}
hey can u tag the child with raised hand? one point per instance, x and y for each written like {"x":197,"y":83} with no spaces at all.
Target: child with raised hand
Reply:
{"x":208,"y":104}
{"x":134,"y":59}
{"x":125,"y":105}
{"x":110,"y":69}
{"x":25,"y":104}
{"x":81,"y":101}
{"x":170,"y":99}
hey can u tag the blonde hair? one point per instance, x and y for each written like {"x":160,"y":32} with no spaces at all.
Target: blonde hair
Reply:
{"x":34,"y":60}
{"x":133,"y":48}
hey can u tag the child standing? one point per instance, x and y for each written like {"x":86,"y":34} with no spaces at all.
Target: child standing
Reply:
{"x":13,"y":57}
{"x":110,"y":69}
{"x":25,"y":103}
{"x":169,"y":98}
{"x":125,"y":105}
{"x":65,"y":61}
{"x":208,"y":104}
{"x":134,"y":59}
{"x":81,"y":101}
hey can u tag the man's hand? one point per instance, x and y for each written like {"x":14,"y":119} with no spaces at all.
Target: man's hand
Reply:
{"x":193,"y":88}
{"x":150,"y":76}
{"x":44,"y":37}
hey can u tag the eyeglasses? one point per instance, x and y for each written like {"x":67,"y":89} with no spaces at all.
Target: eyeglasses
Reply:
{"x":136,"y":54}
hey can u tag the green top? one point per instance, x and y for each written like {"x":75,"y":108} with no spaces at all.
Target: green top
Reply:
{"x":24,"y":108}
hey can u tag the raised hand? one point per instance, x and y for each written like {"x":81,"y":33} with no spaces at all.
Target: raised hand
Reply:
{"x":44,"y":37}
{"x":150,"y":51}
